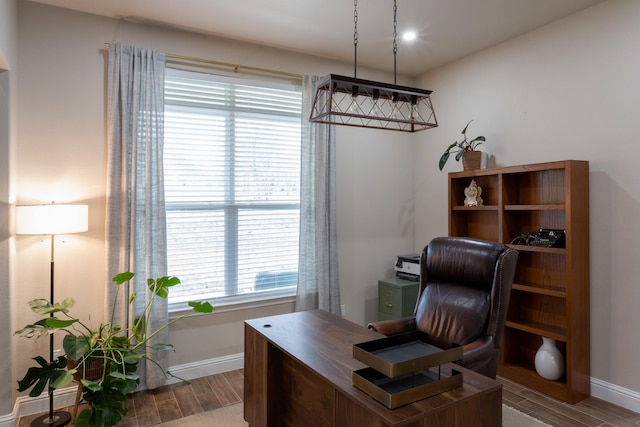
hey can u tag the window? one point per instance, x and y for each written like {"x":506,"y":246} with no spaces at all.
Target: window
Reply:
{"x":232,"y":185}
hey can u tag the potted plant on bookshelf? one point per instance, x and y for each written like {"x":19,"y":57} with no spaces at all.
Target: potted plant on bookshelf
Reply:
{"x":465,"y":150}
{"x":104,"y":358}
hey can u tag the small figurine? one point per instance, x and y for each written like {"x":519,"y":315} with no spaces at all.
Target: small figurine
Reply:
{"x":472,"y":194}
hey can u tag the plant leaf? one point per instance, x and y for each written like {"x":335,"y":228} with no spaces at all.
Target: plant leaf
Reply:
{"x":64,"y":379}
{"x":39,"y":376}
{"x":161,"y":285}
{"x":43,"y":306}
{"x":464,"y":131}
{"x":91,"y":385}
{"x":82,"y":420}
{"x":138,"y":328}
{"x":55,"y":323}
{"x":205,"y":306}
{"x":120,"y":278}
{"x":75,"y":346}
{"x":36,"y":330}
{"x":132,"y":358}
{"x":443,"y":160}
{"x":123,"y":376}
{"x":162,"y":347}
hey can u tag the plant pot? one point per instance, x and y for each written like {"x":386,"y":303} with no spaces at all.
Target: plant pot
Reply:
{"x":92,"y":369}
{"x":473,"y":160}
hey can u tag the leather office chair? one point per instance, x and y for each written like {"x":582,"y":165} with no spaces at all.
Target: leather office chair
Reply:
{"x":465,"y":286}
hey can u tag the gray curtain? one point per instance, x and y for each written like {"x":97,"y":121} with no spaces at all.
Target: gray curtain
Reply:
{"x":135,"y":217}
{"x":318,"y":285}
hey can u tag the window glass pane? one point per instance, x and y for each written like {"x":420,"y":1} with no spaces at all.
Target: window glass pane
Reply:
{"x":194,"y":160}
{"x":267,"y":162}
{"x":195,"y":241}
{"x":266,"y":239}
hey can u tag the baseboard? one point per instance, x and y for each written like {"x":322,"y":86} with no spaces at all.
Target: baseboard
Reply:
{"x":617,"y":395}
{"x":203,"y":368}
{"x":25,"y":405}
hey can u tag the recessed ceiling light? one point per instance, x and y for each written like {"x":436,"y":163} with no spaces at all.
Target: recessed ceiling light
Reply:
{"x":409,"y":35}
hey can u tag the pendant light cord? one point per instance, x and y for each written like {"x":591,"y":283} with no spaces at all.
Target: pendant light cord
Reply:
{"x":395,"y":44}
{"x":355,"y":39}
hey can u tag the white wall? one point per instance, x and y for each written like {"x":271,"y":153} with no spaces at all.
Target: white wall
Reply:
{"x":570,"y":90}
{"x":62,"y":157}
{"x":8,"y":119}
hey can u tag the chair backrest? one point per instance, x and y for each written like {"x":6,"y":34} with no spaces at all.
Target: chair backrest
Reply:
{"x":464,"y":290}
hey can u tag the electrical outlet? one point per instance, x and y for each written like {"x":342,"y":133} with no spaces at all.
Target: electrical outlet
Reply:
{"x":57,"y":353}
{"x":343,"y":310}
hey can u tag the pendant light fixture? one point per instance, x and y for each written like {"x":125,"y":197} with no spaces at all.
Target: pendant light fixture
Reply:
{"x":351,"y":101}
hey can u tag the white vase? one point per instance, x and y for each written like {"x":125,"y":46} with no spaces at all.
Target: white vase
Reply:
{"x":549,"y":361}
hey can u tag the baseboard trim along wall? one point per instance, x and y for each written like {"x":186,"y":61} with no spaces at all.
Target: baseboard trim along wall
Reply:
{"x":25,"y":405}
{"x":617,"y":395}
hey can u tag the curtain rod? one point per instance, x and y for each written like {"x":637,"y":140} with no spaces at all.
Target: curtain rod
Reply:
{"x":235,"y":67}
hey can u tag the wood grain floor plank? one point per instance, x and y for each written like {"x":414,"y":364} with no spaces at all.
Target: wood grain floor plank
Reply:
{"x":171,"y":403}
{"x":169,"y":411}
{"x":594,"y":406}
{"x":201,"y":386}
{"x":548,"y":416}
{"x":236,"y":379}
{"x":562,"y":408}
{"x":209,"y":401}
{"x":145,"y":409}
{"x":223,"y":389}
{"x":162,"y":394}
{"x":186,"y":399}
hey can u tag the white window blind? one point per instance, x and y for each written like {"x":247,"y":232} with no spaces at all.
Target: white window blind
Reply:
{"x":232,"y":184}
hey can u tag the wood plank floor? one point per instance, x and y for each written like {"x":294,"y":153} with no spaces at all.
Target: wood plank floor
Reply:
{"x":152,"y":408}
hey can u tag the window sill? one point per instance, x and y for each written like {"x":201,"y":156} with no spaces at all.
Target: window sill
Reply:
{"x":240,"y":302}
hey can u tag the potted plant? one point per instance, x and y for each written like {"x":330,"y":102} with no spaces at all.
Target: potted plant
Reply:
{"x":116,"y":350}
{"x":465,"y":150}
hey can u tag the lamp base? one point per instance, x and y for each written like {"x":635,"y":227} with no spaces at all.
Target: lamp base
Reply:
{"x":60,"y":418}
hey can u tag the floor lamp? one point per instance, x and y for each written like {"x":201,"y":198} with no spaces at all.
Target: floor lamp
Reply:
{"x":51,"y":220}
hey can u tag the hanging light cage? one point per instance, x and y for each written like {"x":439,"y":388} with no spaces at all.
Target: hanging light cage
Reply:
{"x":350,"y":101}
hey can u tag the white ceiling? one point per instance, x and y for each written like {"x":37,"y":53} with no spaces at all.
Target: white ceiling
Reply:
{"x":447,"y":29}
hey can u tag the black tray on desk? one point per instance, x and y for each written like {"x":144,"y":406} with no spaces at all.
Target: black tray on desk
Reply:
{"x":403,"y":354}
{"x":399,"y":391}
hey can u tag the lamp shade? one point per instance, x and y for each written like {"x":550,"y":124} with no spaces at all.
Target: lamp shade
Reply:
{"x":52,"y":219}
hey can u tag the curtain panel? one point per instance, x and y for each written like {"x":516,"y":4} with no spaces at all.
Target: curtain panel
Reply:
{"x":318,"y":284}
{"x":135,"y":217}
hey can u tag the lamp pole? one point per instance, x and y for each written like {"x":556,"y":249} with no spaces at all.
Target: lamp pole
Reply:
{"x":52,"y":418}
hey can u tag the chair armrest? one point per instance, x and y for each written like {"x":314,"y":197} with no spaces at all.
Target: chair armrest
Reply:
{"x":393,"y":326}
{"x":478,"y":351}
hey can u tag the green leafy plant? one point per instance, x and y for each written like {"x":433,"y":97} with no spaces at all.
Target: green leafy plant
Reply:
{"x":117,"y":351}
{"x":461,"y":147}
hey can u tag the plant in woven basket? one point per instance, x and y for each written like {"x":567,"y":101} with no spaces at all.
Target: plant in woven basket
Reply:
{"x":461,"y":147}
{"x":104,"y":358}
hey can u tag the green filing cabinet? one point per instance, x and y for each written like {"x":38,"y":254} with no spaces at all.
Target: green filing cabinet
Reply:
{"x":396,"y":298}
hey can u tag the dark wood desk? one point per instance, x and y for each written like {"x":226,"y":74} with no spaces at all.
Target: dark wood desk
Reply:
{"x":297,"y":372}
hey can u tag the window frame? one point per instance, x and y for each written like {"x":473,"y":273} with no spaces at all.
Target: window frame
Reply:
{"x":255,"y":298}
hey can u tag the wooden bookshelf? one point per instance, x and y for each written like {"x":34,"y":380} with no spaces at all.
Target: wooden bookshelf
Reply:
{"x":550,"y":295}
